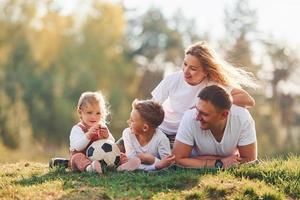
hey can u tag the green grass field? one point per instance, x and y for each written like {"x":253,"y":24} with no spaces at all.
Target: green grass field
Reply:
{"x":270,"y":179}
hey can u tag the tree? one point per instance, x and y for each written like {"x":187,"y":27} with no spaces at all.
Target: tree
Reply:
{"x":273,"y":113}
{"x":283,"y":67}
{"x":156,"y":45}
{"x":52,"y":60}
{"x":240,"y":26}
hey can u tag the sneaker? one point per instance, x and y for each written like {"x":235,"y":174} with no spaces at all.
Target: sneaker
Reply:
{"x":59,"y":162}
{"x":96,"y":167}
{"x":131,"y":165}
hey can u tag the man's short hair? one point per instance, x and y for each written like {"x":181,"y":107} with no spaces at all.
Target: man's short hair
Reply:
{"x":151,"y":111}
{"x":217,"y":96}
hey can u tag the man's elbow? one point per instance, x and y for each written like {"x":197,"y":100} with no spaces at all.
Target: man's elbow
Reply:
{"x":249,"y":159}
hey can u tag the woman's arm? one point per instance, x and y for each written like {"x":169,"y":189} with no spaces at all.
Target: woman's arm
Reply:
{"x":242,"y":98}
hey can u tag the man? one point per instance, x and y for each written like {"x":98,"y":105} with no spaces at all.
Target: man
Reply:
{"x":215,"y":133}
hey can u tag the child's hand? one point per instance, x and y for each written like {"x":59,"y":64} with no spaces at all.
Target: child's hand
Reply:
{"x":146,"y":158}
{"x":103,"y":132}
{"x":165,"y":162}
{"x":123,"y":158}
{"x":93,"y":132}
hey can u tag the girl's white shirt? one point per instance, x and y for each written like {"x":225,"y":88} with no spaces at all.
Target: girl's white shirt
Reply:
{"x":78,"y":139}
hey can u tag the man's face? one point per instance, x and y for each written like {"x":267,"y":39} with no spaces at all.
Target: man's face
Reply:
{"x":207,"y":114}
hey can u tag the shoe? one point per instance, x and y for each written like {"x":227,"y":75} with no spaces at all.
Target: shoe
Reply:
{"x":131,"y":165}
{"x":96,"y":167}
{"x":59,"y":162}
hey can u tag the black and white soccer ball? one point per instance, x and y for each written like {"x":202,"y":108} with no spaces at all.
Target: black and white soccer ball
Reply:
{"x":105,"y":151}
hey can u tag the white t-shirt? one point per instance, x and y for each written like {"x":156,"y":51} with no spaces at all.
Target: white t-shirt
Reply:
{"x":177,"y":96}
{"x":78,"y":139}
{"x":239,"y":131}
{"x":158,"y":146}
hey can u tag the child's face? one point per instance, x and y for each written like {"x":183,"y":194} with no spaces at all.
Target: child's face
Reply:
{"x":136,"y":122}
{"x":90,"y":114}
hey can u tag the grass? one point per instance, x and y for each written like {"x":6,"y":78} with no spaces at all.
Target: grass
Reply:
{"x":271,"y":179}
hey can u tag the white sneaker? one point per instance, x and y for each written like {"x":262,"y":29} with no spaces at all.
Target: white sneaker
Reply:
{"x":131,"y":165}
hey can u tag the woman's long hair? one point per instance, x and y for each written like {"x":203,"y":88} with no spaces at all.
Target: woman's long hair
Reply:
{"x":219,"y":70}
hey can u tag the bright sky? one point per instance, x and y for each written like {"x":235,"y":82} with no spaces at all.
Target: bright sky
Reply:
{"x":278,"y":18}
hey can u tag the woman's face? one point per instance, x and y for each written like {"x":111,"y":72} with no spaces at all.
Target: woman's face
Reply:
{"x":193,"y":70}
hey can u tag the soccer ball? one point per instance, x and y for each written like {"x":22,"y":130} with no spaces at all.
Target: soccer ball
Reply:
{"x":105,"y":151}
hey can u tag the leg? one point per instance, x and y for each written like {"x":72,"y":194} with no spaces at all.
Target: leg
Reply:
{"x":79,"y":162}
{"x":131,"y":165}
{"x":95,"y":166}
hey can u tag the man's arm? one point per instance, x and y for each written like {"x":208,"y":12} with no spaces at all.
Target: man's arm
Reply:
{"x":248,"y":152}
{"x":242,"y":98}
{"x":182,"y":157}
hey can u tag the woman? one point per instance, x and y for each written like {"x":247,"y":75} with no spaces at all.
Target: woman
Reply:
{"x":201,"y":68}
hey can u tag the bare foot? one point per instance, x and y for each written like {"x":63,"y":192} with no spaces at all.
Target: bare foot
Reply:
{"x":131,"y":165}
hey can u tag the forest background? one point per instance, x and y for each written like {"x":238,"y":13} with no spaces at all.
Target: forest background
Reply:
{"x":47,"y":59}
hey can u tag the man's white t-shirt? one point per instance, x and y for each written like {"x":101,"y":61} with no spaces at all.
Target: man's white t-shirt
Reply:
{"x":159,"y":147}
{"x":176,"y":97}
{"x":239,"y":131}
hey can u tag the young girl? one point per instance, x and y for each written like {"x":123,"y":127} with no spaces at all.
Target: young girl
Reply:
{"x":143,"y":140}
{"x":92,"y":112}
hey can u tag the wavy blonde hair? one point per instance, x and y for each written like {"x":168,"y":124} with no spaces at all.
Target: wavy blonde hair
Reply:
{"x":94,"y":98}
{"x":219,"y":70}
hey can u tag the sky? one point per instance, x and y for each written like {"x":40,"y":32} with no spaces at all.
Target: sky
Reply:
{"x":276,"y":18}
